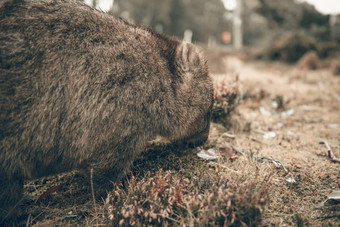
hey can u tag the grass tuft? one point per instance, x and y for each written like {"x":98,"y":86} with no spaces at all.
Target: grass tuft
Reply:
{"x":169,"y":199}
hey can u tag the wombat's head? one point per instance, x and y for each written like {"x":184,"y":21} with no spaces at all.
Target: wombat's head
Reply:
{"x":194,"y":95}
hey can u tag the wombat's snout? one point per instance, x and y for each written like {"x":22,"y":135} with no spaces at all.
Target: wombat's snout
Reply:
{"x":201,"y":135}
{"x":196,"y":140}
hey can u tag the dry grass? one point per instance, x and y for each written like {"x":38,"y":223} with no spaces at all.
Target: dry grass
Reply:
{"x":312,"y":98}
{"x":208,"y":197}
{"x":227,"y":95}
{"x":309,"y":61}
{"x":336,"y":68}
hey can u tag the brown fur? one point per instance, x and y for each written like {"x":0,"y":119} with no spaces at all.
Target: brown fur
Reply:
{"x":80,"y":89}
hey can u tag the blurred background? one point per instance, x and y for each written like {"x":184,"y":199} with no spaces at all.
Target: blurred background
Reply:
{"x":231,"y":22}
{"x":272,"y":29}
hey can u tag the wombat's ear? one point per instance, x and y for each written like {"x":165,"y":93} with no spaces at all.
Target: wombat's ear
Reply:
{"x":188,"y":56}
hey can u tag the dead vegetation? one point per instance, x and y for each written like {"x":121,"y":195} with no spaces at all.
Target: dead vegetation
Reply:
{"x":291,"y":47}
{"x":226,"y":95}
{"x":206,"y":198}
{"x":309,"y":61}
{"x":336,"y":68}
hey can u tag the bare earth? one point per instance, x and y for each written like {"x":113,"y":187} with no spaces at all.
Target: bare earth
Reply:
{"x":310,"y":111}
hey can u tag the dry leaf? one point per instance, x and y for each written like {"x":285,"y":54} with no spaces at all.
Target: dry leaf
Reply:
{"x":215,"y":153}
{"x":291,"y":180}
{"x":332,"y":199}
{"x":226,"y":152}
{"x":334,"y":195}
{"x":210,"y":154}
{"x":264,"y":112}
{"x":287,"y":113}
{"x":269,"y":135}
{"x":228,"y":135}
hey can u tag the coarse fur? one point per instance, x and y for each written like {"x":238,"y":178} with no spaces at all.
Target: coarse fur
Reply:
{"x":80,"y":89}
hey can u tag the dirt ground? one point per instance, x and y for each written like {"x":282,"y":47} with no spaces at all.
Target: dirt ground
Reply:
{"x":298,"y":107}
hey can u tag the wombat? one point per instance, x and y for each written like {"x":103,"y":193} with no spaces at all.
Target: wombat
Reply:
{"x":80,"y":89}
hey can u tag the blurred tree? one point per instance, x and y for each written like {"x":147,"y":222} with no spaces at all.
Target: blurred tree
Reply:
{"x":177,"y":17}
{"x":208,"y":19}
{"x":291,"y":15}
{"x":203,"y":17}
{"x":149,"y":13}
{"x":310,"y":17}
{"x":285,"y":14}
{"x":92,"y":3}
{"x":315,"y":23}
{"x":282,"y":16}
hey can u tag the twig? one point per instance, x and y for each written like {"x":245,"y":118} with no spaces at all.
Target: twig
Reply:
{"x":258,"y":141}
{"x":228,"y":135}
{"x":260,"y":131}
{"x":327,"y":217}
{"x":48,"y":192}
{"x":277,"y":163}
{"x":330,"y":145}
{"x":330,"y":153}
{"x":223,"y":166}
{"x":93,"y":197}
{"x":36,"y":217}
{"x":29,"y":222}
{"x":171,"y":219}
{"x":237,"y":150}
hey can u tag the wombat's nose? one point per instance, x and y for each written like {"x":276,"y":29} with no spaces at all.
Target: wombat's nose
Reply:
{"x":194,"y":141}
{"x":198,"y":141}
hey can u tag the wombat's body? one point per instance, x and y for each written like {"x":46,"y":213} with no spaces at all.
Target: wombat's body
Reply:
{"x":82,"y":89}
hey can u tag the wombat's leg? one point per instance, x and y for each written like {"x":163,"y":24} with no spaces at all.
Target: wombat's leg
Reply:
{"x":103,"y":178}
{"x":11,"y":190}
{"x":113,"y":166}
{"x":102,"y":182}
